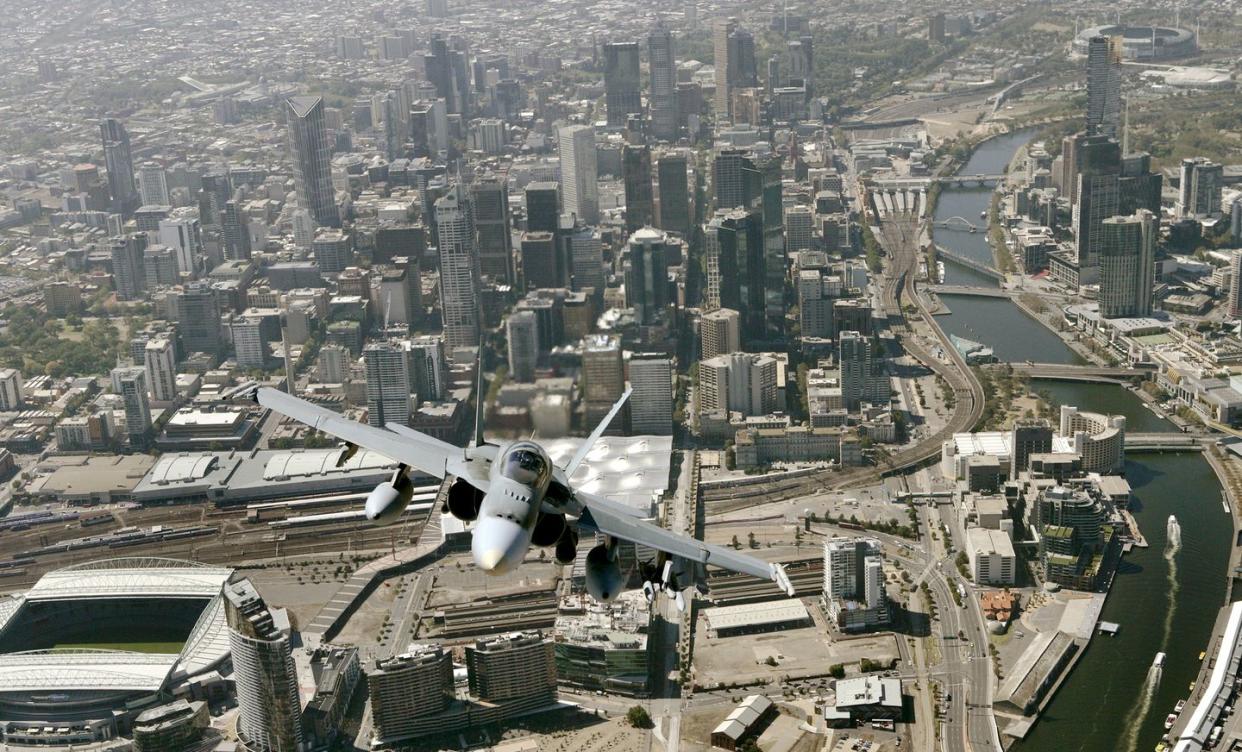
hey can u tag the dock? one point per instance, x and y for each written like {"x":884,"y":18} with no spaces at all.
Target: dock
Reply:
{"x":1109,"y":628}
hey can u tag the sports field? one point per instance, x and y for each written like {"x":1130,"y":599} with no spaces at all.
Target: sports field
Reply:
{"x":170,"y":648}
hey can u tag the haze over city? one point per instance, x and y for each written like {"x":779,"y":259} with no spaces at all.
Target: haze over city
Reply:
{"x":620,"y":377}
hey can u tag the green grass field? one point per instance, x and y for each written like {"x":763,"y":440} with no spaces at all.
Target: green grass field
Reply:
{"x":135,"y":647}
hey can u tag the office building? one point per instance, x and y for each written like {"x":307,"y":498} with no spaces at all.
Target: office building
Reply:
{"x":1028,"y":437}
{"x":131,"y":383}
{"x":645,"y":264}
{"x":490,"y":197}
{"x":184,"y":236}
{"x":401,"y":295}
{"x":311,"y":151}
{"x":738,"y":382}
{"x":586,"y":257}
{"x":10,"y":389}
{"x":799,"y":228}
{"x":387,"y":367}
{"x":516,"y":669}
{"x":854,"y":583}
{"x":147,"y":217}
{"x":579,"y":172}
{"x":236,"y":230}
{"x":399,"y":240}
{"x":862,"y":371}
{"x":407,"y":689}
{"x":128,"y":269}
{"x":160,"y":363}
{"x":543,"y":206}
{"x":429,"y":368}
{"x":603,"y":376}
{"x":119,"y":162}
{"x":722,"y":30}
{"x":522,"y":333}
{"x":1199,"y":193}
{"x":817,"y":296}
{"x":333,"y":364}
{"x":263,"y":670}
{"x":663,"y":93}
{"x":636,"y":176}
{"x":333,"y":251}
{"x":62,"y":298}
{"x":735,"y":267}
{"x":1104,"y":85}
{"x":622,"y":83}
{"x":252,"y":333}
{"x":197,"y":313}
{"x":459,"y":269}
{"x":743,"y":69}
{"x":720,"y":332}
{"x":673,"y":184}
{"x":541,"y":261}
{"x":1108,"y":186}
{"x":1127,"y":265}
{"x":651,"y":404}
{"x":303,"y":228}
{"x":159,"y":267}
{"x":991,"y":557}
{"x":153,"y":185}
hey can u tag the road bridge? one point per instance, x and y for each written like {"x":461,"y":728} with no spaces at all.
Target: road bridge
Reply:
{"x":969,"y":263}
{"x":1067,"y":372}
{"x":968,"y":290}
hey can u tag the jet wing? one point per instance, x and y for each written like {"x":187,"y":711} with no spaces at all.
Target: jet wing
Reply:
{"x":422,"y":452}
{"x":616,"y":519}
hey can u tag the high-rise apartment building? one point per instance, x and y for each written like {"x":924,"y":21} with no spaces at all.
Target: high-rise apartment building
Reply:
{"x":406,"y":689}
{"x":517,"y":669}
{"x":10,"y":389}
{"x":160,"y":363}
{"x":663,"y":94}
{"x":720,"y":332}
{"x":579,"y":172}
{"x":265,"y":676}
{"x":1235,"y":284}
{"x":651,"y":404}
{"x":742,"y":382}
{"x":636,"y":176}
{"x":1104,"y":85}
{"x":490,"y":197}
{"x":862,"y":370}
{"x":1199,"y":193}
{"x":131,"y":383}
{"x":459,"y":269}
{"x":522,"y":333}
{"x":387,"y":367}
{"x":119,"y":161}
{"x":854,"y":582}
{"x":1127,"y":265}
{"x":622,"y":82}
{"x":311,"y":152}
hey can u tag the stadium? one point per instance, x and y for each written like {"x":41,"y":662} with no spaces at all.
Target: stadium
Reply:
{"x":92,"y":645}
{"x":1143,"y":42}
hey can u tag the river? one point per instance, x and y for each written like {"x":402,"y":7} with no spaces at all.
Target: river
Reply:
{"x":1165,"y":599}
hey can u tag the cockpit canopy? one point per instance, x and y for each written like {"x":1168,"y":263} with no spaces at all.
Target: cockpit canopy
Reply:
{"x":527,"y":464}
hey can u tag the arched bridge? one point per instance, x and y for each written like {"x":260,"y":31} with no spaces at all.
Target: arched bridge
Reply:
{"x":960,"y":223}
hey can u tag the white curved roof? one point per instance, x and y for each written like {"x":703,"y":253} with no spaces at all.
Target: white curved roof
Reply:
{"x":320,"y":462}
{"x":84,"y":670}
{"x":181,"y":468}
{"x":131,"y":578}
{"x":630,"y":469}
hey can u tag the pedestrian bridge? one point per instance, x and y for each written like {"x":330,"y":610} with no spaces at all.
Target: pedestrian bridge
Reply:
{"x":969,"y":263}
{"x":978,"y":292}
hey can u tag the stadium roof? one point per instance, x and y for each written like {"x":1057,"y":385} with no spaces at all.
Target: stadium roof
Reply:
{"x":630,"y":469}
{"x":139,"y":577}
{"x":83,"y":670}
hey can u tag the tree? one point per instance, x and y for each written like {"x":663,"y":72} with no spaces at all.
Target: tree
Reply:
{"x":770,"y":661}
{"x":639,"y":718}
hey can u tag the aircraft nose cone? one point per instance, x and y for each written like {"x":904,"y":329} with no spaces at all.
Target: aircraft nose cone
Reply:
{"x":489,"y":559}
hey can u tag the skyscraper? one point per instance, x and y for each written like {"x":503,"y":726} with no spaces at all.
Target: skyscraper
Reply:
{"x":184,"y":235}
{"x":119,"y":162}
{"x":1103,"y":85}
{"x":663,"y":95}
{"x":1199,"y":194}
{"x":311,"y":152}
{"x":743,"y":69}
{"x":459,"y":269}
{"x":160,"y":363}
{"x":672,"y":181}
{"x":603,"y":375}
{"x":862,"y":371}
{"x":263,"y":670}
{"x":153,"y":184}
{"x":543,"y":206}
{"x":408,"y":687}
{"x":1235,"y":284}
{"x":645,"y":264}
{"x":1127,"y":265}
{"x":587,"y":259}
{"x":429,"y":369}
{"x":799,"y":228}
{"x":636,"y":175}
{"x":735,"y":267}
{"x":579,"y":172}
{"x":522,"y":332}
{"x":400,"y":296}
{"x":197,"y":313}
{"x":721,"y":31}
{"x":236,"y":230}
{"x":720,"y":332}
{"x":333,"y":251}
{"x":541,"y":266}
{"x":490,"y":195}
{"x":622,"y":82}
{"x":131,"y":383}
{"x":388,"y":383}
{"x":128,"y":272}
{"x":651,"y":404}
